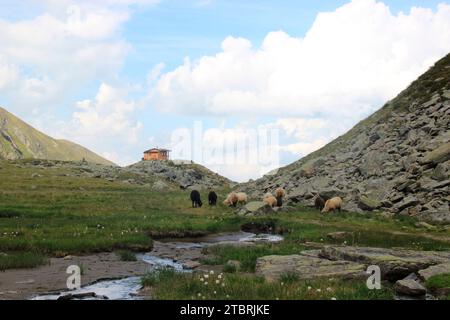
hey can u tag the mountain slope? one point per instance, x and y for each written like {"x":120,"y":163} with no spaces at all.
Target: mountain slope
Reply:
{"x":19,"y":140}
{"x":396,"y":161}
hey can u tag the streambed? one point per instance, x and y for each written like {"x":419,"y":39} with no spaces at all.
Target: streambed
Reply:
{"x":178,"y":254}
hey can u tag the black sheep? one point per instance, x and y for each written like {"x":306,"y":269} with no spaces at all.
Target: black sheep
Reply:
{"x":319,"y":203}
{"x":279,"y":201}
{"x":212,"y":198}
{"x":196,"y":201}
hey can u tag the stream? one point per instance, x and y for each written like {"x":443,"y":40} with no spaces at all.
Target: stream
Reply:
{"x":168,"y":253}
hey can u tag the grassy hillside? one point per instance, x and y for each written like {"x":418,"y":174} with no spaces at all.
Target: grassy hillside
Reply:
{"x":19,"y":140}
{"x":51,"y":210}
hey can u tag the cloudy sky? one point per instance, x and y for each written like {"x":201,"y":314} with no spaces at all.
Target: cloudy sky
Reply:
{"x":121,"y":76}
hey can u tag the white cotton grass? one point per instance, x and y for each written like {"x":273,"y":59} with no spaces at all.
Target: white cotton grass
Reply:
{"x":213,"y":281}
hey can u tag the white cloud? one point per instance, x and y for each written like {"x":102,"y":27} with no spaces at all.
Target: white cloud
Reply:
{"x":348,"y":63}
{"x":107,"y":116}
{"x":49,"y":57}
{"x":106,"y":124}
{"x":248,"y":151}
{"x":304,"y":148}
{"x":8,"y":73}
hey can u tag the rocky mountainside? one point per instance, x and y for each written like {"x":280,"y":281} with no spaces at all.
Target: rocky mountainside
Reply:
{"x":186,"y":175}
{"x":396,"y":161}
{"x":19,"y":140}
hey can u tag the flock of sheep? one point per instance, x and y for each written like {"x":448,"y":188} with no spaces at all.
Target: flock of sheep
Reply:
{"x":241,"y":198}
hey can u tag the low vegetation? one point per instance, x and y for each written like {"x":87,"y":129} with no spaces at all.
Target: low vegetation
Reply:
{"x":169,"y":285}
{"x":126,"y":255}
{"x":21,"y":260}
{"x":439,"y":282}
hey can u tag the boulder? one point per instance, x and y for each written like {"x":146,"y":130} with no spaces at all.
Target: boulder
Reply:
{"x":191,"y":264}
{"x":368,"y":204}
{"x":406,"y":203}
{"x":409,"y":287}
{"x":425,"y":225}
{"x":394,"y":264}
{"x":328,"y":193}
{"x":306,"y":267}
{"x":440,"y":173}
{"x":372,"y":163}
{"x":295,"y":197}
{"x":435,"y":270}
{"x":254,"y":208}
{"x":160,"y":186}
{"x":438,"y":155}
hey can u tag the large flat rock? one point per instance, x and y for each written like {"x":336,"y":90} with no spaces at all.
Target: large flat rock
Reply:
{"x":394,"y":264}
{"x":409,"y":287}
{"x":307,"y":267}
{"x":436,"y":270}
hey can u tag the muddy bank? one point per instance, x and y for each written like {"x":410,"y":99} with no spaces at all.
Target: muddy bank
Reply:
{"x":23,"y":283}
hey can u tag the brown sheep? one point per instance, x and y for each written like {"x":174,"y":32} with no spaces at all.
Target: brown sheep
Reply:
{"x":231,"y":200}
{"x":279,"y":195}
{"x":333,"y":204}
{"x":242,"y":198}
{"x":270,"y":201}
{"x":267,"y":195}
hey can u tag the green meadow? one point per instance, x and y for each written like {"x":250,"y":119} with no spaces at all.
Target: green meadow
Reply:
{"x":51,"y":213}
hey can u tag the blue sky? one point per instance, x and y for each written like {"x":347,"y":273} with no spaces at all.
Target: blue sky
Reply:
{"x":174,"y":29}
{"x":120,"y":76}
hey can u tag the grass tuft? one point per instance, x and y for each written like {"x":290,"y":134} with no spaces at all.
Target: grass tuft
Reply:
{"x":126,"y":255}
{"x":440,"y":281}
{"x":21,"y":260}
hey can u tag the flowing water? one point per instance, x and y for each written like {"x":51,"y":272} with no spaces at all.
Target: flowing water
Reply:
{"x":128,"y":288}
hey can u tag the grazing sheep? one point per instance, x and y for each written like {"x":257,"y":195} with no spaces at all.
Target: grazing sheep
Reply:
{"x":195,"y":198}
{"x":231,"y":200}
{"x":279,"y":195}
{"x":270,"y":201}
{"x":333,"y":204}
{"x":267,"y":195}
{"x":242,"y":198}
{"x":212,"y":198}
{"x":319,"y":202}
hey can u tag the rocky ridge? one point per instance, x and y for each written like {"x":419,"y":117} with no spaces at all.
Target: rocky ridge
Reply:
{"x":158,"y":175}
